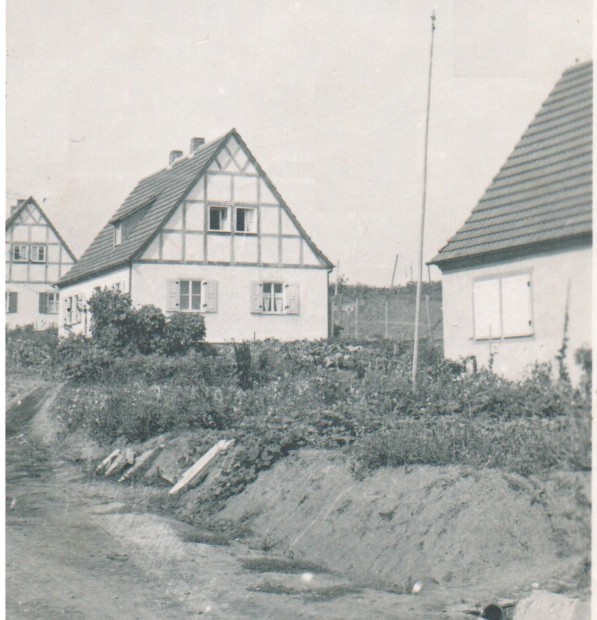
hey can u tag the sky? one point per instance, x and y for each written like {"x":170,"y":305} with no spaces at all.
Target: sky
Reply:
{"x":329,"y":96}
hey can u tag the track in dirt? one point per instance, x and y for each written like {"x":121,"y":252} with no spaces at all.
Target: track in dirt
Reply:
{"x":71,"y":554}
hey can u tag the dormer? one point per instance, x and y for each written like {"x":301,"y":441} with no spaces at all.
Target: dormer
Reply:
{"x":124,"y":226}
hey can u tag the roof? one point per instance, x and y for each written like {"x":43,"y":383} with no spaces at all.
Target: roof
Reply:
{"x":543,"y":193}
{"x":160,"y":193}
{"x":31,"y":201}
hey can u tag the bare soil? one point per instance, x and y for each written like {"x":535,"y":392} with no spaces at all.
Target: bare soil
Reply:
{"x":321,"y":543}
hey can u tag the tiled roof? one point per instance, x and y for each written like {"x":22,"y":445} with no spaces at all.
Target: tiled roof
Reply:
{"x":160,"y":193}
{"x":31,"y":201}
{"x":543,"y":193}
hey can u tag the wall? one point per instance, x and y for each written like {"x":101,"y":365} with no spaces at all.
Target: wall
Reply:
{"x":29,"y":278}
{"x":233,"y":319}
{"x":28,"y":306}
{"x":118,"y":278}
{"x":551,"y":274}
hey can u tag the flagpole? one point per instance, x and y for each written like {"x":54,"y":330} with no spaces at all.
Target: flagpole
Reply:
{"x":422,"y":231}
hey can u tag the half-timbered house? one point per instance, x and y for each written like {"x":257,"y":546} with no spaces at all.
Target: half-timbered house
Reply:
{"x":36,"y":257}
{"x":208,"y":234}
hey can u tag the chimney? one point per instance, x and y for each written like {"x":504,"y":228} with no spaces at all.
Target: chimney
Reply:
{"x":174,"y":155}
{"x":196,"y":143}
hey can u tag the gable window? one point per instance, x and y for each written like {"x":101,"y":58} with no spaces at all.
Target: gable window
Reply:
{"x":38,"y":253}
{"x":20,"y":252}
{"x":192,"y":296}
{"x":219,"y":218}
{"x":274,"y":298}
{"x":117,"y":234}
{"x":125,"y":227}
{"x":245,"y":220}
{"x":502,"y":307}
{"x":11,"y":301}
{"x":48,"y":303}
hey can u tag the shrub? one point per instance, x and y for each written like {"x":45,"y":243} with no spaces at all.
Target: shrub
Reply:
{"x":149,"y":325}
{"x":112,"y":320}
{"x":28,"y":349}
{"x":183,"y":333}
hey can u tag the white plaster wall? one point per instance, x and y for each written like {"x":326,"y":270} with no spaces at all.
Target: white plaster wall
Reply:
{"x":234,"y":320}
{"x":87,"y":288}
{"x":550,"y":273}
{"x":28,"y":306}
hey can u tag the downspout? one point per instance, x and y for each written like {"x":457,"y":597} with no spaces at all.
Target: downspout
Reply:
{"x":131,"y":280}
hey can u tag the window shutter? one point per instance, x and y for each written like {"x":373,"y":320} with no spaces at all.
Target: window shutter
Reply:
{"x":292,"y":299}
{"x":516,"y":305}
{"x":173,"y":295}
{"x":486,"y":304}
{"x":43,"y":303}
{"x":12,"y":302}
{"x":211,"y":296}
{"x":256,"y":297}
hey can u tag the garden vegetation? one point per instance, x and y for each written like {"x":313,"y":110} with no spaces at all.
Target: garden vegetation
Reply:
{"x":142,"y":375}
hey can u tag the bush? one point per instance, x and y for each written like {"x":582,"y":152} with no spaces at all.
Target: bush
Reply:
{"x":149,"y":325}
{"x":183,"y":333}
{"x":27,"y":349}
{"x":119,"y":328}
{"x":113,"y":324}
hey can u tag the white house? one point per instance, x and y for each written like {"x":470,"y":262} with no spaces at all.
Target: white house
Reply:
{"x":208,"y":234}
{"x":517,"y":275}
{"x":36,"y":257}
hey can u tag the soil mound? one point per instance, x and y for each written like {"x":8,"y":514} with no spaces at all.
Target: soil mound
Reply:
{"x":453,"y":526}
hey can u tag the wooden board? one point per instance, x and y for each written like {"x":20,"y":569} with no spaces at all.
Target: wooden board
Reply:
{"x":197,"y":468}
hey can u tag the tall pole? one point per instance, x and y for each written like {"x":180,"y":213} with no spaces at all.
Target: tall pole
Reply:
{"x":394,"y":272}
{"x":422,"y":233}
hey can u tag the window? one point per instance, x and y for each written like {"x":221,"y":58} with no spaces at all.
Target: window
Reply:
{"x":502,"y":307}
{"x":68,"y":311}
{"x":192,"y":296}
{"x":124,"y":228}
{"x":274,"y":298}
{"x":38,"y":253}
{"x":218,"y":218}
{"x":11,"y":301}
{"x":20,"y":252}
{"x":117,"y":234}
{"x":74,"y":307}
{"x":245,"y":220}
{"x":48,"y":303}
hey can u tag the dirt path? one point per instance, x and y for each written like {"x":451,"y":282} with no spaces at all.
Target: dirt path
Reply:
{"x":80,"y":548}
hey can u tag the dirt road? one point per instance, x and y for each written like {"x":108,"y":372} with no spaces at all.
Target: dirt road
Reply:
{"x":81,"y":548}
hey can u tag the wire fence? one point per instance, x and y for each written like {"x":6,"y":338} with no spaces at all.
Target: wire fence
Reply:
{"x":390,"y":318}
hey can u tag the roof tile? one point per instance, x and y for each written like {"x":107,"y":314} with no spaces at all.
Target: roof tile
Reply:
{"x":543,"y":192}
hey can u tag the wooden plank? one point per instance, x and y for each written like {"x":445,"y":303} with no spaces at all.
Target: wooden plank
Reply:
{"x":142,"y":463}
{"x":126,"y":458}
{"x":197,"y":468}
{"x":107,"y":461}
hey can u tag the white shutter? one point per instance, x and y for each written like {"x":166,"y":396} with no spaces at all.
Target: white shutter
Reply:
{"x":516,"y":305}
{"x":256,"y":297}
{"x":210,"y":290}
{"x":173,"y":295}
{"x":291,"y":305}
{"x":486,"y":305}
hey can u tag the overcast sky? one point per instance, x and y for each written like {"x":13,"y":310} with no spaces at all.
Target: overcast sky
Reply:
{"x":328,"y":94}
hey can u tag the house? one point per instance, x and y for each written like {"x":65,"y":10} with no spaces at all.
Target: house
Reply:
{"x":36,"y":257}
{"x":517,"y":275}
{"x":208,"y":234}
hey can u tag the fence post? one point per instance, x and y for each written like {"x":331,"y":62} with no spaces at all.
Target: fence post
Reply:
{"x":428,"y":319}
{"x":386,"y":331}
{"x":356,"y":319}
